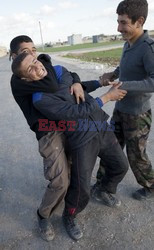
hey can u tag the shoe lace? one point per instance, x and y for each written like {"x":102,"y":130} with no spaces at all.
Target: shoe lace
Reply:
{"x":71,"y":220}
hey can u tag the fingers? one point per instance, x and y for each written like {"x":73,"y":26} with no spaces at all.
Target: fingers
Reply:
{"x":122,"y":95}
{"x":71,"y":90}
{"x":77,"y":99}
{"x":78,"y":92}
{"x":82,"y":97}
{"x":117,"y":94}
{"x":103,"y":82}
{"x":117,"y":84}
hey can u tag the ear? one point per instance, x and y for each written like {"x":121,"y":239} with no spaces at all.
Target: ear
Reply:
{"x":13,"y":55}
{"x":140,"y":22}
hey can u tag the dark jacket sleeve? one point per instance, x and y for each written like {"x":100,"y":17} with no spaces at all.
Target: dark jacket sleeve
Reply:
{"x":57,"y":108}
{"x":68,"y":78}
{"x":90,"y":86}
{"x":76,"y":78}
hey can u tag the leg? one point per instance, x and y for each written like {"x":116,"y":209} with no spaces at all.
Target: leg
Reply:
{"x":77,"y":197}
{"x":136,"y":142}
{"x":118,"y":131}
{"x":115,"y":161}
{"x":116,"y":168}
{"x":51,"y":147}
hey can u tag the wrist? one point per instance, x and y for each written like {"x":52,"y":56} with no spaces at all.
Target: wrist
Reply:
{"x":105,"y":98}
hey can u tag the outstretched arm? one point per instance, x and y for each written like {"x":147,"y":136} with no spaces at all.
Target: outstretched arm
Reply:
{"x":61,"y":107}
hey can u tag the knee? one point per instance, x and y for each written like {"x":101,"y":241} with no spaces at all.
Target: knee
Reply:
{"x":59,"y":181}
{"x":124,"y":165}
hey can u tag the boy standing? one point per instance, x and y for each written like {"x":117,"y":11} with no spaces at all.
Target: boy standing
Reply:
{"x":132,"y":115}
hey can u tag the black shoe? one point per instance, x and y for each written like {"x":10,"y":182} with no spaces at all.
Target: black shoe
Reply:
{"x":104,"y":197}
{"x":46,"y":228}
{"x":109,"y":199}
{"x":143,"y":194}
{"x":95,"y":191}
{"x":71,"y":226}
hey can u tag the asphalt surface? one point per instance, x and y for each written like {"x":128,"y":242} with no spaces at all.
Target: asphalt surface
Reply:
{"x":22,"y":185}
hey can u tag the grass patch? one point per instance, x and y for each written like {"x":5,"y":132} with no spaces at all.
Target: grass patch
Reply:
{"x":78,"y":46}
{"x":111,"y":57}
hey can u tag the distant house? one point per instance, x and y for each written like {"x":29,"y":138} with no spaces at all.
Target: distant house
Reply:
{"x":87,"y":39}
{"x":74,"y":39}
{"x":3,"y":51}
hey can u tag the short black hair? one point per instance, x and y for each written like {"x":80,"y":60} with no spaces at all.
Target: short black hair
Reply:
{"x":16,"y":64}
{"x":134,"y":9}
{"x":15,"y":43}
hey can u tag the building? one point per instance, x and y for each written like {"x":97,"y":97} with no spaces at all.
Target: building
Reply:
{"x":3,"y":51}
{"x":74,"y":39}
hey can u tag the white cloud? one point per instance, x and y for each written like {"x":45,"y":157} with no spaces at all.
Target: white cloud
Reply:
{"x":64,"y":18}
{"x":47,"y":10}
{"x":21,"y":17}
{"x":1,"y":18}
{"x":67,"y":5}
{"x":108,"y":12}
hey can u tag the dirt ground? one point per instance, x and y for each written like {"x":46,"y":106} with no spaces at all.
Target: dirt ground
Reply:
{"x":129,"y":227}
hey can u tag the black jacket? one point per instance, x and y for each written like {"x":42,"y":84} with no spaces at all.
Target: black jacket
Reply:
{"x":87,"y":118}
{"x":22,"y":92}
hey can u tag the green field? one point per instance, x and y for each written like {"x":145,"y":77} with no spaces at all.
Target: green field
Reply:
{"x":78,"y":46}
{"x":111,"y":57}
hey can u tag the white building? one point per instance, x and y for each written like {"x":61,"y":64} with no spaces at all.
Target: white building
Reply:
{"x":3,"y":51}
{"x":74,"y":39}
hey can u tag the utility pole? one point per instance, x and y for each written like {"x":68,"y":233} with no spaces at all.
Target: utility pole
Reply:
{"x":41,"y":35}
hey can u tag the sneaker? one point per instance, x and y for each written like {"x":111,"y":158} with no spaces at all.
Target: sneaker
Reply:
{"x":46,"y":228}
{"x":143,"y":194}
{"x":104,"y":197}
{"x":109,"y":199}
{"x":71,"y":226}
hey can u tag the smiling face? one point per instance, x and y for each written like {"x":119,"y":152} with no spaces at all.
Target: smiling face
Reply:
{"x":130,"y":31}
{"x":32,"y":69}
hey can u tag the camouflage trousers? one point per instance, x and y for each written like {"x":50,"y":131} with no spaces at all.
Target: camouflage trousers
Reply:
{"x":133,"y":131}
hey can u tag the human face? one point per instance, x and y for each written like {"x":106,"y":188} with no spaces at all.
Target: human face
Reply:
{"x":26,"y":47}
{"x":32,"y":69}
{"x":130,"y":31}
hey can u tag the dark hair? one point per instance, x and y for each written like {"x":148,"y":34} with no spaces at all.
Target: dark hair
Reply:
{"x":15,"y":43}
{"x":16,"y":64}
{"x":133,"y":8}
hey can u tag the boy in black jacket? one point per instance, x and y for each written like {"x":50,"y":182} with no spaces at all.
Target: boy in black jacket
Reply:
{"x":90,"y":136}
{"x":51,"y":144}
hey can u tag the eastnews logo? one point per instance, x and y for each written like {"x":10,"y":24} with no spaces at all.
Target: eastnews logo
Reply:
{"x":80,"y":125}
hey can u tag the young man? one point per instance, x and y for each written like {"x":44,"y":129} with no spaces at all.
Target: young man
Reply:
{"x":132,"y":115}
{"x":89,"y":136}
{"x":51,"y":144}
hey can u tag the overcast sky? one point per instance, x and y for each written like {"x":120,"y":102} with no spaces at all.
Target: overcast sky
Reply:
{"x":60,"y":18}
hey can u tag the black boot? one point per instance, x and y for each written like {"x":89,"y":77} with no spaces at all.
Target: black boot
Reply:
{"x":71,"y":226}
{"x":104,"y":197}
{"x":144,"y":194}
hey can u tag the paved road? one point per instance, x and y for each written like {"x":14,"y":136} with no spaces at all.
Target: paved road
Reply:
{"x":129,"y":227}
